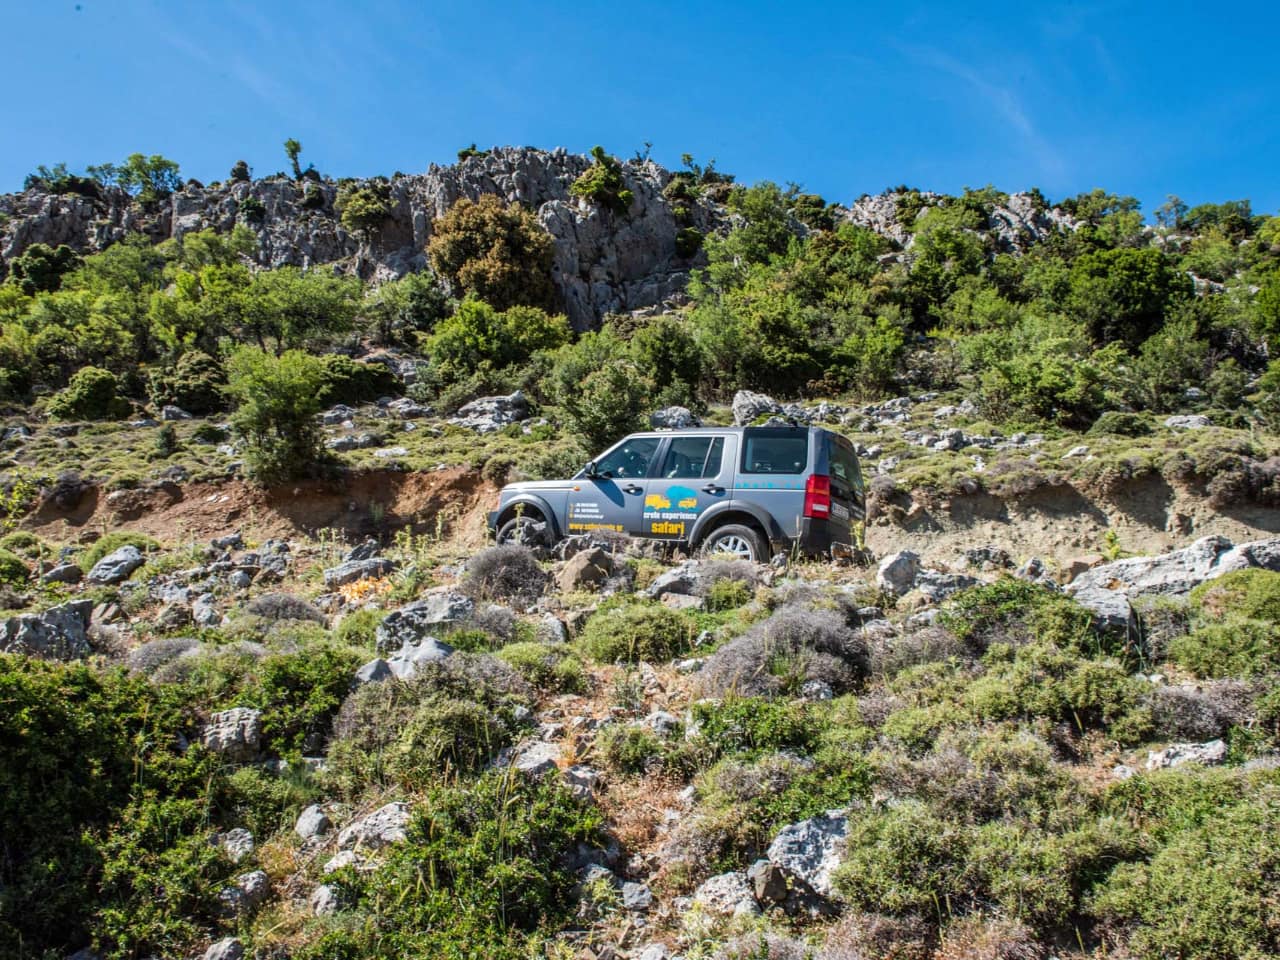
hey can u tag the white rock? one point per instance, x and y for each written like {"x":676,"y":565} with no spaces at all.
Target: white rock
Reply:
{"x":381,"y":828}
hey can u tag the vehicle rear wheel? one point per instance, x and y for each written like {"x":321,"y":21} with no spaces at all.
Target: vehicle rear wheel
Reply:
{"x":735,"y":540}
{"x":524,"y":531}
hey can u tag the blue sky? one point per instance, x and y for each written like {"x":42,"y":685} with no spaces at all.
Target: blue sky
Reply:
{"x":844,"y":98}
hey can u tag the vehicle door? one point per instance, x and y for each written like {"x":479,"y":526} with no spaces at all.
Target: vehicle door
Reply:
{"x":613,"y":499}
{"x":771,"y":474}
{"x":695,"y":474}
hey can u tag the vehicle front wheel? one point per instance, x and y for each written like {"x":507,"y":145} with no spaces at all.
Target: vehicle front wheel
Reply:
{"x":737,"y":541}
{"x":522,"y":531}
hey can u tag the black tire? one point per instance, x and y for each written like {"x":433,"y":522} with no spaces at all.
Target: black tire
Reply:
{"x":525,"y":531}
{"x":738,"y":541}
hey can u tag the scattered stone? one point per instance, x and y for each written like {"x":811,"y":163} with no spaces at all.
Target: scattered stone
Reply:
{"x":345,"y":858}
{"x":355,"y":441}
{"x":636,"y":897}
{"x":585,"y":571}
{"x":988,"y":557}
{"x":491,"y":414}
{"x":407,"y":409}
{"x":404,"y":663}
{"x":236,"y":843}
{"x":581,"y":780}
{"x":325,"y":900}
{"x":68,"y":573}
{"x":170,"y":413}
{"x":551,"y":629}
{"x":337,"y":414}
{"x":938,"y":586}
{"x":379,"y":829}
{"x":239,"y":579}
{"x":249,"y":892}
{"x":59,"y":633}
{"x":204,"y":613}
{"x":768,"y":882}
{"x":232,"y":541}
{"x":1194,"y":421}
{"x":1175,"y":755}
{"x":673,"y":418}
{"x":810,"y":850}
{"x":312,"y":822}
{"x":748,"y":406}
{"x":388,"y":453}
{"x":681,"y":580}
{"x":416,"y":620}
{"x":375,"y":671}
{"x":681,"y":601}
{"x":352,"y":570}
{"x":654,"y":951}
{"x":235,"y":734}
{"x":727,"y":895}
{"x":537,"y":760}
{"x":117,"y":566}
{"x":898,"y":571}
{"x":228,"y":948}
{"x":1079,"y":451}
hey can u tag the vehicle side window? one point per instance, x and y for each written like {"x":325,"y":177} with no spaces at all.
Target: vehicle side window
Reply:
{"x":628,"y":460}
{"x":775,"y":454}
{"x":692,"y":457}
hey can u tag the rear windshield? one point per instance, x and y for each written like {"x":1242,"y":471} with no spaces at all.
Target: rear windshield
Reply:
{"x":781,"y":452}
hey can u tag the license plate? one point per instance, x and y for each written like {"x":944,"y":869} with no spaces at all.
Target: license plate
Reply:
{"x":839,"y":511}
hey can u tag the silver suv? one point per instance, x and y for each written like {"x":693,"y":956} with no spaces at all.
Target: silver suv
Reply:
{"x":746,"y":491}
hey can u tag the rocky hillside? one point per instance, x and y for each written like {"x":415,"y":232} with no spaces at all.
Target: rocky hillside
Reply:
{"x":605,"y":263}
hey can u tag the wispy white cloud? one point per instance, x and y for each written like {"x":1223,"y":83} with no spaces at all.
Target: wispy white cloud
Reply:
{"x":1003,"y":100}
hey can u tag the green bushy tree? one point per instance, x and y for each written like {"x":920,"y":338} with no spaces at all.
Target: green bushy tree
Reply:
{"x":496,"y":252}
{"x":278,"y":397}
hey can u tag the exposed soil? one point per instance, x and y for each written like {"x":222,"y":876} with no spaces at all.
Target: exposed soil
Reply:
{"x":1058,"y":522}
{"x":449,"y":503}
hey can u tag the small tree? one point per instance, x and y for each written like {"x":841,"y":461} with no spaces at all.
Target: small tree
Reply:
{"x":292,"y":149}
{"x":278,"y":401}
{"x":150,"y":179}
{"x":603,"y":183}
{"x":601,"y":390}
{"x":363,"y":208}
{"x":240,"y":172}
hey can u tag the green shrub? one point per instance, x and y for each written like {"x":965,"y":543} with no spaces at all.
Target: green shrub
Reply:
{"x":105,"y":830}
{"x":546,"y":665}
{"x":633,"y":633}
{"x":603,"y":183}
{"x":1117,"y":423}
{"x":25,"y":544}
{"x":1252,"y":594}
{"x":195,"y":383}
{"x":1238,"y":648}
{"x":359,"y":628}
{"x":753,"y":723}
{"x":263,"y":803}
{"x":627,"y":748}
{"x":484,"y":866}
{"x":349,"y":381}
{"x":13,"y":569}
{"x":603,"y":393}
{"x":688,"y":242}
{"x":110,"y":543}
{"x":1209,"y":892}
{"x":91,"y":394}
{"x":727,"y":595}
{"x":908,"y":859}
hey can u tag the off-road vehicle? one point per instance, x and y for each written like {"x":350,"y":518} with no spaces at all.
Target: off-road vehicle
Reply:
{"x":746,"y":491}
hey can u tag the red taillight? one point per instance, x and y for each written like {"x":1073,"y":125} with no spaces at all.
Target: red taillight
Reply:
{"x":817,"y":497}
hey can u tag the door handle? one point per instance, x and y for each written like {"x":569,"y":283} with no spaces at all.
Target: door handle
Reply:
{"x":632,"y":488}
{"x":712,"y":488}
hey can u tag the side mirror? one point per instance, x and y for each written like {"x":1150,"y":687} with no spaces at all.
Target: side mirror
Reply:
{"x":590,"y":469}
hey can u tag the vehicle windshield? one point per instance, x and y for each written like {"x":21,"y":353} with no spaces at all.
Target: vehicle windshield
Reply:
{"x":629,"y":459}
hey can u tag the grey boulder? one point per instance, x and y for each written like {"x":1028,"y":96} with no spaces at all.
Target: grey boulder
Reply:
{"x":727,"y":895}
{"x":228,"y":948}
{"x":353,"y":570}
{"x":1175,"y":755}
{"x":117,"y":566}
{"x":417,"y":620}
{"x":898,"y":572}
{"x":383,"y":827}
{"x":235,"y":735}
{"x":63,"y":573}
{"x":748,"y":406}
{"x":810,"y":850}
{"x":312,"y":822}
{"x":59,"y":633}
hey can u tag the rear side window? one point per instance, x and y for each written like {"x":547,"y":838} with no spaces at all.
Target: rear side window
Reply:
{"x":693,"y":457}
{"x":775,"y":452}
{"x":844,"y":464}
